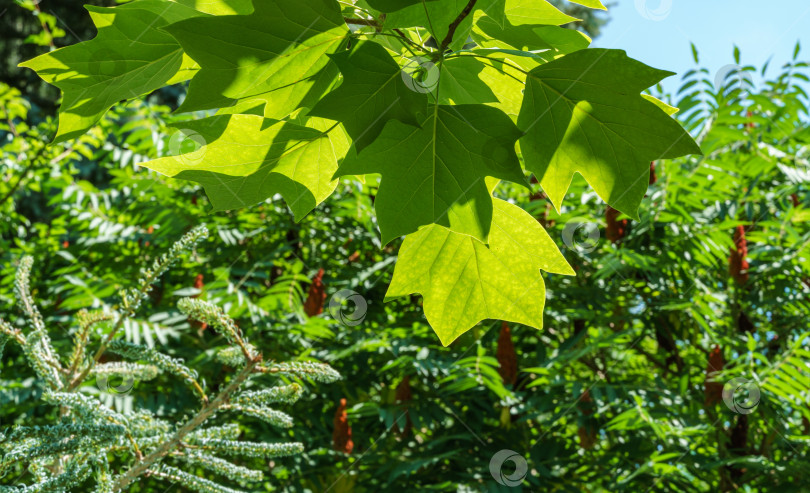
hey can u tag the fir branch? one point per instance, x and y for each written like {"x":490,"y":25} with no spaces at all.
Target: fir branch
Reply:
{"x":135,"y":371}
{"x":208,"y":409}
{"x":287,"y":394}
{"x":75,"y":474}
{"x":252,"y":449}
{"x":194,"y":483}
{"x":91,"y":409}
{"x":39,"y":468}
{"x":133,"y":298}
{"x":220,"y":466}
{"x":59,"y":432}
{"x":56,"y":449}
{"x":144,"y":423}
{"x":22,"y":285}
{"x":269,"y":416}
{"x":233,"y":356}
{"x":103,"y":475}
{"x":8,"y":332}
{"x":148,"y":442}
{"x":214,"y":316}
{"x":320,"y":372}
{"x":11,"y":332}
{"x":38,"y":348}
{"x":87,"y":407}
{"x":166,"y":363}
{"x":228,"y":431}
{"x":86,"y":321}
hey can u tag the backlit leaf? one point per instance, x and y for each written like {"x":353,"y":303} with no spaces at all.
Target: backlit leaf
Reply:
{"x":583,"y":114}
{"x":244,"y":159}
{"x":435,"y":173}
{"x":464,"y":281}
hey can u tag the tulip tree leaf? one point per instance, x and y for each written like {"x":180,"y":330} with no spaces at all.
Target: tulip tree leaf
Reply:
{"x":372,"y":92}
{"x":583,"y":113}
{"x":548,"y":42}
{"x":219,"y":7}
{"x":461,"y":82}
{"x":432,"y":96}
{"x":278,"y":49}
{"x":535,"y":12}
{"x":393,"y":5}
{"x":464,"y":281}
{"x":593,"y":4}
{"x":437,"y":17}
{"x":131,"y":56}
{"x":435,"y":173}
{"x":244,"y":159}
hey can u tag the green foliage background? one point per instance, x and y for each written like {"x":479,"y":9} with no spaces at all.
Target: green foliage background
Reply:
{"x":610,"y":396}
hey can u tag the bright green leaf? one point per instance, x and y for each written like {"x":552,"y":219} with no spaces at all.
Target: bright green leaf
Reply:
{"x":372,"y":93}
{"x":435,"y":174}
{"x":545,"y":43}
{"x":276,"y":52}
{"x":437,"y":17}
{"x":592,"y":4}
{"x":460,"y":82}
{"x":534,"y":12}
{"x":244,"y":159}
{"x":464,"y":281}
{"x":219,"y":7}
{"x":393,"y":5}
{"x":669,"y":110}
{"x":130,"y":56}
{"x":583,"y":114}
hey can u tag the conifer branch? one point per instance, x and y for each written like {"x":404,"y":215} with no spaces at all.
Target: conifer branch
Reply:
{"x":194,"y":483}
{"x":86,"y":322}
{"x":38,"y":348}
{"x":165,"y":363}
{"x":64,"y":455}
{"x":214,"y":316}
{"x":176,"y":439}
{"x":219,"y":466}
{"x":319,"y":372}
{"x":131,"y":300}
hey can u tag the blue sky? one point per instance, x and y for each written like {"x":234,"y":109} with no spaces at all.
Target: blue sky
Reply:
{"x":658,"y":32}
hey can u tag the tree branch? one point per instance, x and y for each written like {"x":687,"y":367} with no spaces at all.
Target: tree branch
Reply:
{"x":207,"y":410}
{"x":454,"y":25}
{"x":361,"y":22}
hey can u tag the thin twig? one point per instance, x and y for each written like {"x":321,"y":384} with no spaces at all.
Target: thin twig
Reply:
{"x":454,"y":25}
{"x":361,"y":22}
